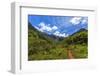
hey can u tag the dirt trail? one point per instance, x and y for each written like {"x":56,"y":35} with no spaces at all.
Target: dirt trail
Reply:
{"x":70,"y":55}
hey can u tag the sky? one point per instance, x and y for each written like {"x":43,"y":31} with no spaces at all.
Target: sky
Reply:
{"x":62,"y":26}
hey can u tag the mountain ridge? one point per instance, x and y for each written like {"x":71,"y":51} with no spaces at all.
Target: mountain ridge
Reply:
{"x":54,"y":37}
{"x":42,"y":46}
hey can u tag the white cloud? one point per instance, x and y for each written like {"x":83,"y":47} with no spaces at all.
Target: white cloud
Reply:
{"x":46,"y":27}
{"x":67,"y":35}
{"x":54,"y":28}
{"x":43,"y":27}
{"x":62,"y":35}
{"x":75,"y":20}
{"x":57,"y":33}
{"x":85,"y":20}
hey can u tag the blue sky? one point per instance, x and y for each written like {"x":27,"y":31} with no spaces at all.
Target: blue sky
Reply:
{"x":61,"y":26}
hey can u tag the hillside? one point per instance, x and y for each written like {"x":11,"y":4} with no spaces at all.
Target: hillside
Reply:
{"x":37,"y":40}
{"x":80,"y":37}
{"x":42,"y":46}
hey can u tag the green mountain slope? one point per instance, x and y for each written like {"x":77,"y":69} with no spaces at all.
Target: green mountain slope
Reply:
{"x":80,"y":37}
{"x":37,"y":41}
{"x":42,"y":46}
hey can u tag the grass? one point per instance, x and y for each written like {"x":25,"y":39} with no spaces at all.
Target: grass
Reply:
{"x":57,"y":53}
{"x":79,"y":51}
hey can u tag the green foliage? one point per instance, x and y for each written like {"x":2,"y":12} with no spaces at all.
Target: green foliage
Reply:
{"x":43,"y":47}
{"x":78,"y":38}
{"x":79,"y":51}
{"x":49,"y":55}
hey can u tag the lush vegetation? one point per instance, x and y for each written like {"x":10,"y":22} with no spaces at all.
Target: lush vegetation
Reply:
{"x":42,"y":46}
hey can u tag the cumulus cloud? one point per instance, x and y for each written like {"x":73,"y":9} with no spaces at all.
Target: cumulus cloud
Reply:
{"x":75,"y":20}
{"x":85,"y":20}
{"x":54,"y":28}
{"x":43,"y":27}
{"x":78,"y":20}
{"x":57,"y":33}
{"x":46,"y":27}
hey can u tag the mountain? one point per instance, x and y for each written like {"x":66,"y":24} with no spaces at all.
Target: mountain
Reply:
{"x":44,"y":35}
{"x":39,"y":41}
{"x":79,"y":37}
{"x":44,"y":46}
{"x":81,"y":30}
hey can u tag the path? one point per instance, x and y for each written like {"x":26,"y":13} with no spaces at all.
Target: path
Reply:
{"x":70,"y":55}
